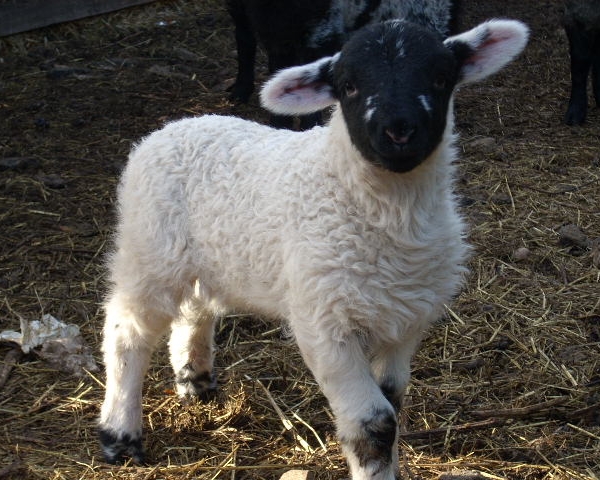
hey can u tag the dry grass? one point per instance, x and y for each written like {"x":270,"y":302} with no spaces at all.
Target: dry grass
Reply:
{"x":507,"y":385}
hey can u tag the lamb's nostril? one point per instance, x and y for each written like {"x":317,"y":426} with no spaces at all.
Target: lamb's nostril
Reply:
{"x":402,"y":137}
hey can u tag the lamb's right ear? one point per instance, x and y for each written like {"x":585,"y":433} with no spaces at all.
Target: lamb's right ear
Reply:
{"x":301,"y":90}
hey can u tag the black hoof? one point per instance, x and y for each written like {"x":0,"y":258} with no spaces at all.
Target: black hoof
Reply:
{"x":201,"y":385}
{"x":373,"y":448}
{"x":240,"y":93}
{"x":575,"y":115}
{"x":118,"y":449}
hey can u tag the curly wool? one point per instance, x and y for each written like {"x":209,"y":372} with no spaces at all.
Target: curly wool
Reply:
{"x":268,"y":225}
{"x":345,"y":17}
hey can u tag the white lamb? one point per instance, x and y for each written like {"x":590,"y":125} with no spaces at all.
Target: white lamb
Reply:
{"x":349,"y":232}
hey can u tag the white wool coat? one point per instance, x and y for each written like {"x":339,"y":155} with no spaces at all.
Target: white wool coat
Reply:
{"x":291,"y":225}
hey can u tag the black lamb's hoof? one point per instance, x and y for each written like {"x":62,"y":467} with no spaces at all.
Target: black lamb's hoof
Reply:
{"x":117,"y":449}
{"x":192,"y":384}
{"x":575,"y":115}
{"x":240,"y":93}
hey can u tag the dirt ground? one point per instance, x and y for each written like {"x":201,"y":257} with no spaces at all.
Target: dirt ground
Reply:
{"x":506,"y":387}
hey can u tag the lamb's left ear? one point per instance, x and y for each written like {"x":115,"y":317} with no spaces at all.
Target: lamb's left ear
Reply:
{"x":300,"y":90}
{"x":487,"y":48}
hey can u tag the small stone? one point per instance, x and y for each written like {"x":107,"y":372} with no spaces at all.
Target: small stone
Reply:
{"x":571,"y":235}
{"x":298,"y":475}
{"x":484,"y":143}
{"x":521,"y":253}
{"x":53,"y":181}
{"x":18,"y":164}
{"x":501,"y":199}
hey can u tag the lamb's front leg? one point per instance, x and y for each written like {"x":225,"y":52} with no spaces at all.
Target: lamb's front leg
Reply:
{"x":366,"y":421}
{"x":391,"y":367}
{"x":581,"y":61}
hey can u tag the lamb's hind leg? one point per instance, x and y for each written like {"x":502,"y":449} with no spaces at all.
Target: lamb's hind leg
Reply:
{"x":192,"y":349}
{"x":131,"y":332}
{"x":596,"y":67}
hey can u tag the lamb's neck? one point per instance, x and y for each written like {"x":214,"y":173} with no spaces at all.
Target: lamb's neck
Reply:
{"x":390,"y":200}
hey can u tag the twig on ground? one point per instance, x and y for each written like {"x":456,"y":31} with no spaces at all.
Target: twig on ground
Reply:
{"x":11,"y":359}
{"x":518,"y":412}
{"x":464,"y":427}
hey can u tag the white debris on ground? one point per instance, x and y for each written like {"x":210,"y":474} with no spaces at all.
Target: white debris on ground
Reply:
{"x":62,"y":345}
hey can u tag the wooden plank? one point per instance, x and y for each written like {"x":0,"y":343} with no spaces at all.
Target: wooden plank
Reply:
{"x":22,"y":15}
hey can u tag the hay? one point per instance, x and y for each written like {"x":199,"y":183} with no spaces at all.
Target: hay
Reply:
{"x":507,"y":386}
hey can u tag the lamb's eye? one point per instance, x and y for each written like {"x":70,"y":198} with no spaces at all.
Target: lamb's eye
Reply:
{"x":350,"y":89}
{"x":439,"y":83}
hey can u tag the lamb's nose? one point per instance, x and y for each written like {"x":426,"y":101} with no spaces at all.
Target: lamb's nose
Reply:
{"x":400,"y":136}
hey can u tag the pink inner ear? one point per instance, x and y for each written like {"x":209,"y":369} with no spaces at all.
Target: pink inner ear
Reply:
{"x":493,"y":39}
{"x":302,"y":86}
{"x":489,"y":42}
{"x":293,"y":89}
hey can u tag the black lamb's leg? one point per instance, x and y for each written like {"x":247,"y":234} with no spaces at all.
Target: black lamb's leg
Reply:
{"x":580,"y":49}
{"x":596,"y":67}
{"x":246,"y":49}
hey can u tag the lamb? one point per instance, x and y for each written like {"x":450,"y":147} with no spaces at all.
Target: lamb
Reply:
{"x":349,"y":232}
{"x":297,"y":32}
{"x":582,"y":26}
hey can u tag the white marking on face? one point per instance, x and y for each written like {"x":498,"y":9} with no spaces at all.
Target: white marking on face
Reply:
{"x":370,"y":107}
{"x":369,"y":113}
{"x":400,"y":47}
{"x":425,"y":102}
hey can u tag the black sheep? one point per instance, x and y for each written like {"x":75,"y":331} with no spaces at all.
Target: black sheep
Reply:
{"x":296,"y":32}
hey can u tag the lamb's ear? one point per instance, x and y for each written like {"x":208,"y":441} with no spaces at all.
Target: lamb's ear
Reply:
{"x":301,"y":90}
{"x":487,"y":48}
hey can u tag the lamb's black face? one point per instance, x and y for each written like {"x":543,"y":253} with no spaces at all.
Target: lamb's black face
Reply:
{"x":394,"y":82}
